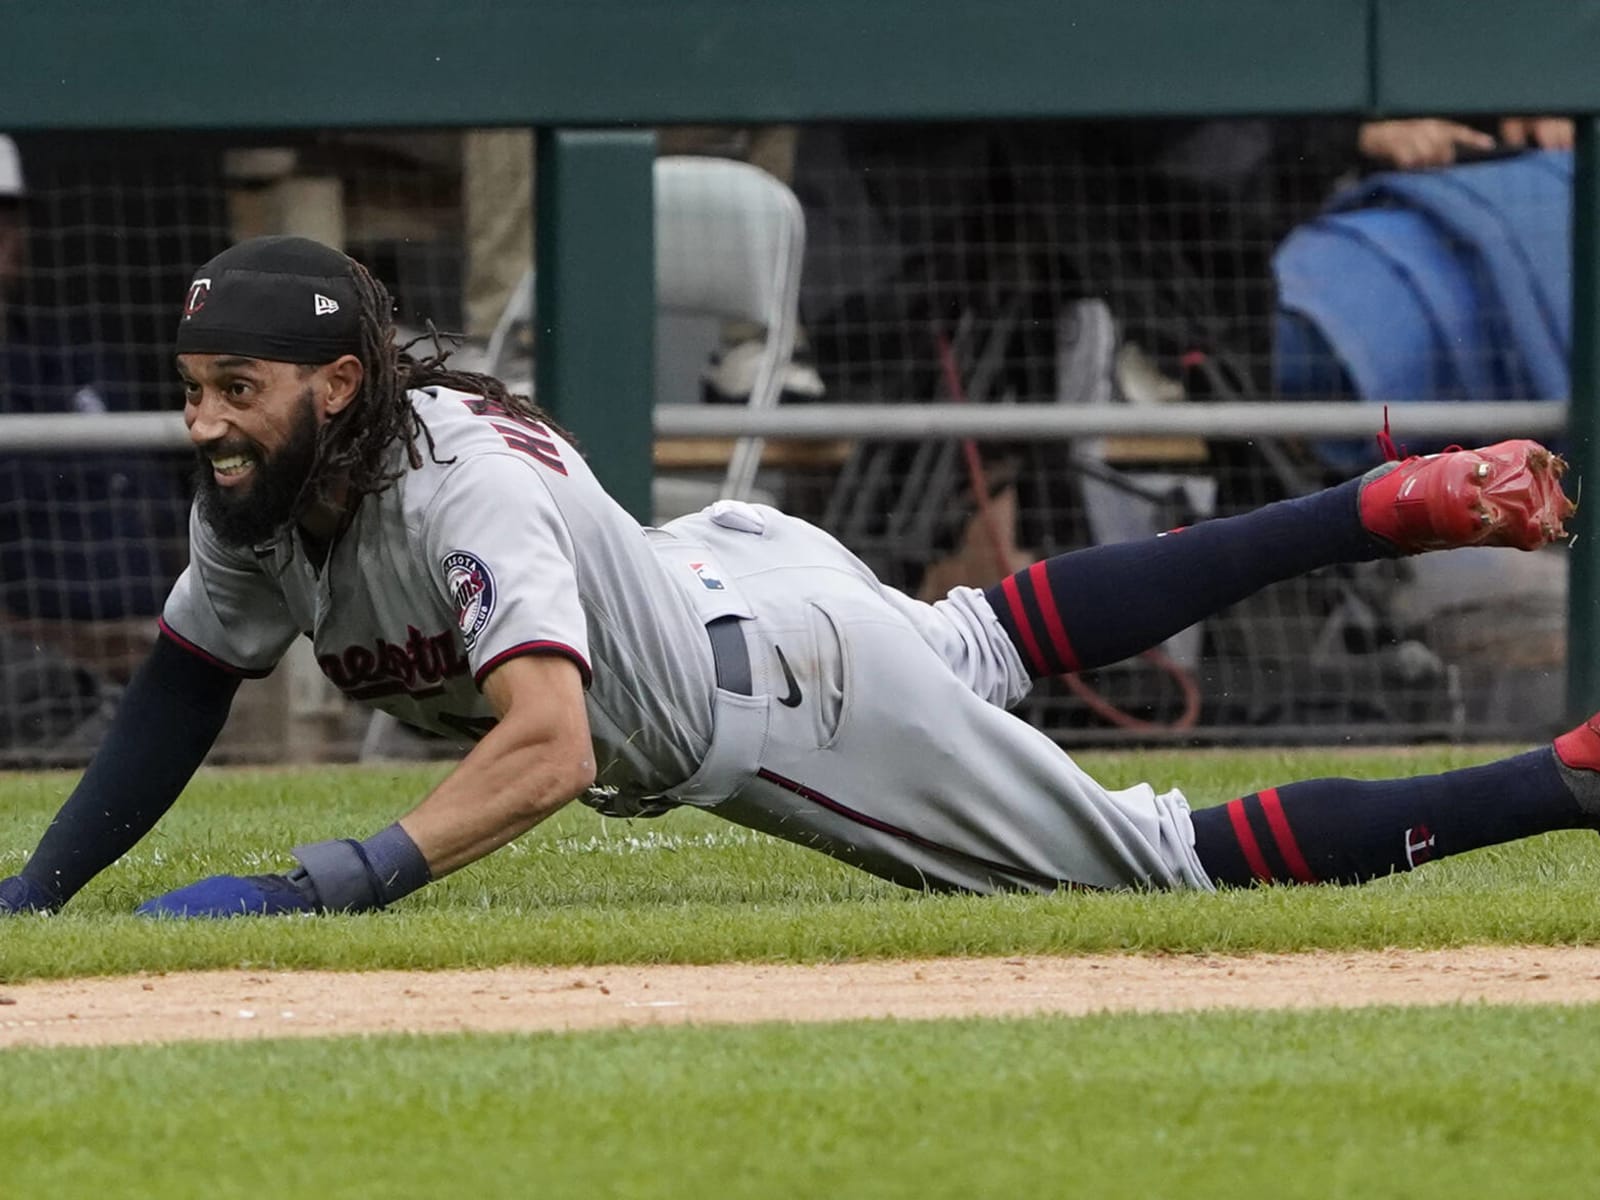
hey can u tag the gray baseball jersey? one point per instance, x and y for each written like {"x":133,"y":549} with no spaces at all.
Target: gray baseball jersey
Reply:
{"x":872,"y":726}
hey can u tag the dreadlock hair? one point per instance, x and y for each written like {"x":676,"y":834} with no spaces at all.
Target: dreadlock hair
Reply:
{"x":354,"y":444}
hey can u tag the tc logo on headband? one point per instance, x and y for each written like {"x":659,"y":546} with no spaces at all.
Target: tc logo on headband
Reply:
{"x":196,"y":300}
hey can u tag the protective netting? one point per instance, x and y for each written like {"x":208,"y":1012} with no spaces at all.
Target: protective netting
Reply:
{"x":1152,"y":263}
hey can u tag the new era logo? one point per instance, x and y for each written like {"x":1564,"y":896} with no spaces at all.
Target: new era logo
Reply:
{"x":326,"y":305}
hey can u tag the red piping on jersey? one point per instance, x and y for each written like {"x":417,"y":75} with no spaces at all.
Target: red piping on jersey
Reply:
{"x":1247,"y":841}
{"x":1284,"y":836}
{"x":541,"y":647}
{"x":1040,"y":578}
{"x":178,"y":639}
{"x":860,"y":818}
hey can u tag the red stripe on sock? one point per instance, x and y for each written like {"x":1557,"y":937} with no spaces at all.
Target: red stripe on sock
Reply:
{"x":1247,"y":841}
{"x":1052,"y":617}
{"x":1019,"y":618}
{"x":1284,"y":836}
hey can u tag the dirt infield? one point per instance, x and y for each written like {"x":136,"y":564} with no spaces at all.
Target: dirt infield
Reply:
{"x":241,"y":1004}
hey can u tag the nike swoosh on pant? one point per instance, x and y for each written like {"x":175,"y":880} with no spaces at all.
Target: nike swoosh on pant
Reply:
{"x":792,"y":700}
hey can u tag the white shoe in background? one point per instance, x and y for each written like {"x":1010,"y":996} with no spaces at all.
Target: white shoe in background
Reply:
{"x":731,"y":373}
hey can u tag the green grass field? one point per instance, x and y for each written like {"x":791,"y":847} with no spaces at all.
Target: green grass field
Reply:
{"x":1471,"y":1100}
{"x":1481,"y":1102}
{"x":691,"y":888}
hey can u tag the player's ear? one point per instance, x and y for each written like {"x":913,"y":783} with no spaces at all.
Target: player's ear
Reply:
{"x":343,"y":377}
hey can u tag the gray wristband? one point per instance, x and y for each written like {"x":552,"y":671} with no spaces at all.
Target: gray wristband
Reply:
{"x":396,"y":863}
{"x":352,"y":876}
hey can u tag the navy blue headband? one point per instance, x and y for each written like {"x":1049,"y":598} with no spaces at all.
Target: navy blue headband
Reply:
{"x":289,"y":299}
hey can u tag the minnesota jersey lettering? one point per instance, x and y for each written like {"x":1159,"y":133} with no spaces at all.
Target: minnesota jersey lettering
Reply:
{"x":529,"y":437}
{"x":419,"y":666}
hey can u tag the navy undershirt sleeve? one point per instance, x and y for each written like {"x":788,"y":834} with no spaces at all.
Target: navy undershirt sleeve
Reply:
{"x":168,"y":719}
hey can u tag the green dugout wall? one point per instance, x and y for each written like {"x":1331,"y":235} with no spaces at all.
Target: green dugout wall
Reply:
{"x":594,"y":75}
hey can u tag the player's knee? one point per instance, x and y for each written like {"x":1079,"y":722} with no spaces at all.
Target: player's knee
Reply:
{"x":977,"y":648}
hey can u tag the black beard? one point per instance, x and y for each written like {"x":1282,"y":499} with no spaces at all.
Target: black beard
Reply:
{"x":271,"y":500}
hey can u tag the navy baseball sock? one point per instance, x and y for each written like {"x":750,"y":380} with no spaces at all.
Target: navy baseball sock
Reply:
{"x":1349,"y":831}
{"x":1102,"y":604}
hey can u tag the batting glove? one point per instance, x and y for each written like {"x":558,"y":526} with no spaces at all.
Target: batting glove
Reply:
{"x":233,"y":896}
{"x":20,"y":895}
{"x":342,"y":875}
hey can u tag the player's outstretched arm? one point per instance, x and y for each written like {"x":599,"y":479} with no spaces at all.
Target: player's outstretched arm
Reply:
{"x":169,"y":717}
{"x":536,"y":759}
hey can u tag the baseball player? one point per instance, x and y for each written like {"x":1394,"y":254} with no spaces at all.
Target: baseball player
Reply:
{"x":455,"y":563}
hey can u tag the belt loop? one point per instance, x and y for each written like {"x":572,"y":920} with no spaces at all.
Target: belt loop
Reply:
{"x":730,"y":654}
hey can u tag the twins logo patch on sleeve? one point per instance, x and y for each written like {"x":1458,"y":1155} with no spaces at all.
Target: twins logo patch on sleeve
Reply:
{"x":472,"y":590}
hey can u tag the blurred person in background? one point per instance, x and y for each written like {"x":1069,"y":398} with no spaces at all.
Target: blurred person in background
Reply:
{"x":78,"y":555}
{"x":1171,"y":223}
{"x":75,"y":541}
{"x":1435,"y":142}
{"x":1174,"y":223}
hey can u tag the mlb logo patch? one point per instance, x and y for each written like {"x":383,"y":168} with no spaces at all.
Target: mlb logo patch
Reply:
{"x":471,"y":589}
{"x":702,"y":572}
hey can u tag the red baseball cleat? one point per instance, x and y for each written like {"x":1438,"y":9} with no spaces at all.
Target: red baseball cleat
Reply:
{"x":1508,"y":494}
{"x":1578,"y":753}
{"x":1580,"y":748}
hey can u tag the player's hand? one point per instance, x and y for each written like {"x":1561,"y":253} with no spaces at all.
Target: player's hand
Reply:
{"x":232,"y":896}
{"x":19,"y":895}
{"x":1425,"y":142}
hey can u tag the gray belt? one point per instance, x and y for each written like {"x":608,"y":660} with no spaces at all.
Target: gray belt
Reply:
{"x":730,"y":654}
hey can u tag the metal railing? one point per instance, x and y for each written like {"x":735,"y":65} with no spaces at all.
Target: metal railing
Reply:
{"x":913,"y":422}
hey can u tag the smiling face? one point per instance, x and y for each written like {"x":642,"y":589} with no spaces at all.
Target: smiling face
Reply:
{"x":254,"y":423}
